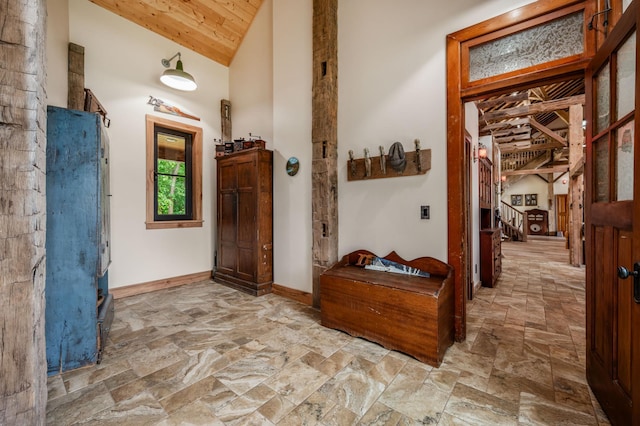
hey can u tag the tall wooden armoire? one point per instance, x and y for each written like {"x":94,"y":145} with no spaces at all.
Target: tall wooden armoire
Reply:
{"x":244,"y":257}
{"x":490,"y":243}
{"x":79,"y":307}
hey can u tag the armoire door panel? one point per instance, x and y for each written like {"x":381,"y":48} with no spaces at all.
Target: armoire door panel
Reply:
{"x":227,"y":255}
{"x":228,"y":217}
{"x":227,"y":179}
{"x":246,"y":262}
{"x":247,"y":174}
{"x":246,"y":215}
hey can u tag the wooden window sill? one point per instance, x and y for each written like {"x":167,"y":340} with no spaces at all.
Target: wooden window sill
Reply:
{"x":168,"y":224}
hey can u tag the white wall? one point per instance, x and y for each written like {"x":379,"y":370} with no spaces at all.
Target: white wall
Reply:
{"x":292,"y":81}
{"x":392,"y":87}
{"x":122,"y":68}
{"x":531,"y":185}
{"x":472,"y":126}
{"x":57,"y":52}
{"x":392,"y":79}
{"x":275,"y":56}
{"x":251,"y":80}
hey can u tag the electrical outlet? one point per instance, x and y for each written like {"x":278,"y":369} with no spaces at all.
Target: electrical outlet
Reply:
{"x":424,"y":212}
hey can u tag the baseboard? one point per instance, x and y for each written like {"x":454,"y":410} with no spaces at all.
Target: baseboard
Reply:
{"x":134,"y":289}
{"x":293,"y":294}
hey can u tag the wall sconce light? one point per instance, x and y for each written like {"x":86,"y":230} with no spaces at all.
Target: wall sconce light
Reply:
{"x":503,"y":178}
{"x":177,"y":78}
{"x":481,"y":152}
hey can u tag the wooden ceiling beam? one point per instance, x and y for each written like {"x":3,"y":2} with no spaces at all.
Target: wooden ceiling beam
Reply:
{"x":554,"y":169}
{"x":547,"y":131}
{"x":513,"y":147}
{"x":519,"y":97}
{"x":512,"y":131}
{"x":513,"y":138}
{"x":563,"y":115}
{"x":537,"y":108}
{"x":485,"y":130}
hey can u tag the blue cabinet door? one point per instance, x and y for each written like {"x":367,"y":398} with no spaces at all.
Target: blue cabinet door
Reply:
{"x":76,"y":236}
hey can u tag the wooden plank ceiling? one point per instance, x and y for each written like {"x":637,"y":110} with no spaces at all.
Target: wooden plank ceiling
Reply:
{"x":213,"y":28}
{"x":530,"y":126}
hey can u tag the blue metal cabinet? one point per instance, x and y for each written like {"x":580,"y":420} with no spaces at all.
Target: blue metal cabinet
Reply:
{"x":77,"y":244}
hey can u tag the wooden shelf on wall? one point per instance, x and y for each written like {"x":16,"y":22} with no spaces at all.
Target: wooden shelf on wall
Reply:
{"x":356,"y":169}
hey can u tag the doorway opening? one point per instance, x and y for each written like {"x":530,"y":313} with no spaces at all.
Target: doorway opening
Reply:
{"x":523,"y":176}
{"x":464,"y":86}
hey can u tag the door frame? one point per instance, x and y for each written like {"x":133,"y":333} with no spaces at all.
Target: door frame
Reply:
{"x":460,"y":91}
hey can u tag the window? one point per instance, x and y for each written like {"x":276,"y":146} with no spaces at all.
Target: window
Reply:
{"x":174,"y":174}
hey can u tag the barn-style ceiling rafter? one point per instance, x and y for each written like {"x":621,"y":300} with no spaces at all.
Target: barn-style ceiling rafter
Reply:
{"x":531,"y":126}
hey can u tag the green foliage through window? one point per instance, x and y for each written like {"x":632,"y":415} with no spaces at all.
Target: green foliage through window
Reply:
{"x":173,"y":198}
{"x":171,"y":187}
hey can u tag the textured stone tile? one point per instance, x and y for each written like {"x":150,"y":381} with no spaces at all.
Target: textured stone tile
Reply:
{"x":77,"y":406}
{"x":523,"y":361}
{"x":55,"y":387}
{"x":413,"y":404}
{"x":100,"y":373}
{"x":354,"y":389}
{"x":380,"y":414}
{"x":247,"y":373}
{"x":479,"y":407}
{"x":339,"y":416}
{"x":573,"y":394}
{"x":142,"y":409}
{"x":311,"y":411}
{"x":276,"y":408}
{"x":189,"y":394}
{"x":507,"y":387}
{"x":237,"y":410}
{"x":147,"y":360}
{"x":537,"y":411}
{"x":336,"y":362}
{"x":297,"y":381}
{"x":386,"y":369}
{"x":197,"y":414}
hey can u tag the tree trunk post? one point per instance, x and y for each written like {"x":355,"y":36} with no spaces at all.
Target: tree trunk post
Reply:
{"x":23,"y":116}
{"x":324,"y":137}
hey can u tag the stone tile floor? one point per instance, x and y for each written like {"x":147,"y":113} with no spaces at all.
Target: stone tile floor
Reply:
{"x":204,"y":354}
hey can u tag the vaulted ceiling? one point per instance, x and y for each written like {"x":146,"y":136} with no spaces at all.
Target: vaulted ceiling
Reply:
{"x":213,"y":28}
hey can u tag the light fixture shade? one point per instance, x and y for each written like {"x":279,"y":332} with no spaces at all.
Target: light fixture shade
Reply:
{"x":482,"y":151}
{"x":178,"y":78}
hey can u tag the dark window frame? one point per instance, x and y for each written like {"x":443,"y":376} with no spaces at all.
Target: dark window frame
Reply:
{"x":188,"y":174}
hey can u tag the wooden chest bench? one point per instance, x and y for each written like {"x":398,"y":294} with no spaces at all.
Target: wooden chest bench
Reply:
{"x":411,"y":314}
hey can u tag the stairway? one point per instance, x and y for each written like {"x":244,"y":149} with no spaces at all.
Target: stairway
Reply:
{"x":512,"y":222}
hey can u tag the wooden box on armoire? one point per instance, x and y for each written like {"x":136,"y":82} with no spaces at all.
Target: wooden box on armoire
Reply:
{"x":244,"y":256}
